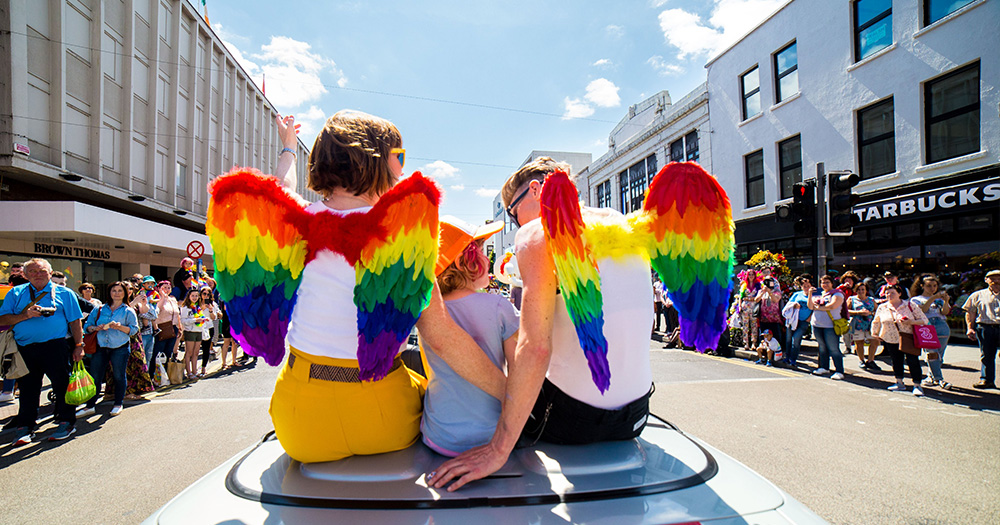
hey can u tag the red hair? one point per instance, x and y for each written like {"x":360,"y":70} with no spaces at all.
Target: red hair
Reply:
{"x":465,"y":269}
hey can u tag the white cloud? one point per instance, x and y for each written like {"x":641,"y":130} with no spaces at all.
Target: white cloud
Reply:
{"x":615,"y":31}
{"x":439,"y":170}
{"x":657,"y":3}
{"x":604,"y":93}
{"x":293,"y":73}
{"x":663,"y":68}
{"x":730,"y":20}
{"x":457,"y":187}
{"x":604,"y":62}
{"x":312,"y":121}
{"x":487,"y":192}
{"x":576,"y":108}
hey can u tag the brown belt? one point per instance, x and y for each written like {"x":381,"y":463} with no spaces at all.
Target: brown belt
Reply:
{"x":338,"y":374}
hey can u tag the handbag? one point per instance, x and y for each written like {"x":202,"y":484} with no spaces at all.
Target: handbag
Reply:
{"x":160,"y":376}
{"x":81,"y":385}
{"x":906,"y":344}
{"x":175,"y":372}
{"x":840,"y":326}
{"x":925,"y":336}
{"x":166,"y":331}
{"x":90,"y":339}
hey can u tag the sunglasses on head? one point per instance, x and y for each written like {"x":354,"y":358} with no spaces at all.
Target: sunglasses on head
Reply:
{"x":400,"y":154}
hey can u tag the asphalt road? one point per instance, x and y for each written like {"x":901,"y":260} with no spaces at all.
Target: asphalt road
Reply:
{"x":851,"y":451}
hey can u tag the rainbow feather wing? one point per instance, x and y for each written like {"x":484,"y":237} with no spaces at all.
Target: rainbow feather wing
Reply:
{"x":395,"y":272}
{"x":577,"y":272}
{"x":255,"y":227}
{"x":690,"y":221}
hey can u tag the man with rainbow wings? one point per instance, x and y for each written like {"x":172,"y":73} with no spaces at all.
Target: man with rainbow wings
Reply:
{"x":581,"y":372}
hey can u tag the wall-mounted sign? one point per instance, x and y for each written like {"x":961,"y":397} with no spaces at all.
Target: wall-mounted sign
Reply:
{"x":71,"y":251}
{"x":22,"y":148}
{"x":933,"y":202}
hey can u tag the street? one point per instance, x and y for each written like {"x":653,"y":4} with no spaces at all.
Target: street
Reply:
{"x":849,"y":450}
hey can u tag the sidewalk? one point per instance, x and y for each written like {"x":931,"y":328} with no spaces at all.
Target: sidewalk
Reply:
{"x":9,"y":409}
{"x":961,"y":369}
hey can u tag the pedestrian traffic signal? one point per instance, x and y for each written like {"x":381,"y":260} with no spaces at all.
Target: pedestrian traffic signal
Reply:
{"x":840,"y":201}
{"x":803,"y":209}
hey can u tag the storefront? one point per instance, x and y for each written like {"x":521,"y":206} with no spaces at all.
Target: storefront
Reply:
{"x":92,"y":244}
{"x":936,"y":226}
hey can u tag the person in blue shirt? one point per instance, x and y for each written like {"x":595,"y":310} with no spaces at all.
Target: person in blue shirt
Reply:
{"x":800,"y":301}
{"x":114,"y":323}
{"x":43,"y":315}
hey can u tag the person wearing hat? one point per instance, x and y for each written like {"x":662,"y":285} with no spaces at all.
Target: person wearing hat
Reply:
{"x":768,"y":350}
{"x":145,"y":305}
{"x":458,"y":415}
{"x":982,"y":321}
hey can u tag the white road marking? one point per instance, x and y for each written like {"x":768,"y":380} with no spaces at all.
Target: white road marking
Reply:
{"x":211,"y":400}
{"x":740,"y":380}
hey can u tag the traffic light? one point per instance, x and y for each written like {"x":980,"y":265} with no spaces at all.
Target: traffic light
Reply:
{"x":803,"y":208}
{"x":840,"y":201}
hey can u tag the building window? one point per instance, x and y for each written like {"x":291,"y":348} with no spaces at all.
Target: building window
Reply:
{"x":951,"y":109}
{"x":623,"y":191}
{"x":872,"y":27}
{"x":604,"y":194}
{"x":181,"y":180}
{"x":677,"y":150}
{"x":790,"y":164}
{"x":877,"y":139}
{"x":754,"y":167}
{"x":750,"y":86}
{"x":691,"y":146}
{"x":651,"y":168}
{"x":786,"y":72}
{"x":935,"y":10}
{"x":637,"y":184}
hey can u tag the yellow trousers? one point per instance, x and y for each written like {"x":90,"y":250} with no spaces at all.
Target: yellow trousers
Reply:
{"x":319,"y":420}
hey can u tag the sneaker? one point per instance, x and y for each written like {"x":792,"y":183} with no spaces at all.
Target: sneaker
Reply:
{"x":983,"y":384}
{"x":770,"y":363}
{"x":22,"y":436}
{"x":917,"y":391}
{"x":944,"y":385}
{"x":897,"y":387}
{"x":760,"y":362}
{"x":820,"y":372}
{"x":6,"y":396}
{"x":115,"y":410}
{"x":63,"y":431}
{"x":928,"y":381}
{"x":873,"y":366}
{"x":86,"y":412}
{"x":837,"y":376}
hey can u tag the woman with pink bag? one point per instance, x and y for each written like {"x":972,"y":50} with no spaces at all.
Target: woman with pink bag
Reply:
{"x":935,"y":303}
{"x":893,"y":325}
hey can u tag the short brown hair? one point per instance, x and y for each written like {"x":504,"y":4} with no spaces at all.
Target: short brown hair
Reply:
{"x":352,"y":152}
{"x":538,"y":169}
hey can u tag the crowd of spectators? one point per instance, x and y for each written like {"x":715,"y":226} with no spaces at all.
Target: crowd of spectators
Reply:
{"x":842,"y":313}
{"x":139,"y":326}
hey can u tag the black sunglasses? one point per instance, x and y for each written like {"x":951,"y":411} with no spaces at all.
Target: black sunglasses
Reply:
{"x":513,"y":204}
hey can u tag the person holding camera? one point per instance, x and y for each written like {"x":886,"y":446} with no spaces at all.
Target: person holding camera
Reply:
{"x":43,"y":315}
{"x":769,"y":298}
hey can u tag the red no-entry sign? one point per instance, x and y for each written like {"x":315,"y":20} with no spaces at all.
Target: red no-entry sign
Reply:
{"x":195,"y":249}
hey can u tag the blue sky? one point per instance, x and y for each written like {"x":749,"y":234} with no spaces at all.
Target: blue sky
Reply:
{"x":564,"y":72}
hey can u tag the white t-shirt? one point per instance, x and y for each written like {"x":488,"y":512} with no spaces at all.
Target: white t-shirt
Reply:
{"x":772,"y":344}
{"x":325,"y":319}
{"x":628,"y":319}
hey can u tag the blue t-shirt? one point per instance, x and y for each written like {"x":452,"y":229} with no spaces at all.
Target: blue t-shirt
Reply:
{"x":458,"y":415}
{"x":41,"y":329}
{"x":113,"y":338}
{"x":803,"y":302}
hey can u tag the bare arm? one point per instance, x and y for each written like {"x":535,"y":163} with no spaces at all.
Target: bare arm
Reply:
{"x":13,"y":319}
{"x":76,"y":330}
{"x":453,"y":345}
{"x":285,"y":170}
{"x":526,"y":372}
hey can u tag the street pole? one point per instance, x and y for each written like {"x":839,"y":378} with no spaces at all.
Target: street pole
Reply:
{"x":820,"y":220}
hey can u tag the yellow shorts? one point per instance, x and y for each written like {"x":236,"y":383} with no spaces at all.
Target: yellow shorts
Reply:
{"x":321,"y":420}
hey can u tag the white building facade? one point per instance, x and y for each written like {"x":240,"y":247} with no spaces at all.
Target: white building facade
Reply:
{"x":903,"y":93}
{"x":652,"y":134}
{"x":504,"y":241}
{"x":114,"y":116}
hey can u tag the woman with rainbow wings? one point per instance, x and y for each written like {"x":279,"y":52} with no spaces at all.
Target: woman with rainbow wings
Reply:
{"x":344,"y":279}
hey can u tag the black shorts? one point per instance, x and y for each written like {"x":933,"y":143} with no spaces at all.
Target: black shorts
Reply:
{"x":561,"y":419}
